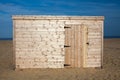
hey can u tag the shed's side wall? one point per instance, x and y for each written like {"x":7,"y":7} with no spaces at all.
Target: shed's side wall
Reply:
{"x":40,"y":43}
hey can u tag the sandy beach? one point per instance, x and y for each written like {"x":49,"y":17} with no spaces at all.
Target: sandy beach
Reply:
{"x":110,"y":71}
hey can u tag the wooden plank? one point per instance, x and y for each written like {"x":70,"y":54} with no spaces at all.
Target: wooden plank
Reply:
{"x":78,"y":42}
{"x":85,"y":35}
{"x":66,"y":43}
{"x":83,"y":46}
{"x":22,"y":30}
{"x":86,"y":47}
{"x":79,"y":45}
{"x":38,"y":32}
{"x":94,"y":36}
{"x":28,"y":27}
{"x":69,"y":44}
{"x":72,"y":46}
{"x":76,"y":45}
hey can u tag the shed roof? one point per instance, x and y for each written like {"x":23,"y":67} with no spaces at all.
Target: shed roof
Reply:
{"x":43,"y":17}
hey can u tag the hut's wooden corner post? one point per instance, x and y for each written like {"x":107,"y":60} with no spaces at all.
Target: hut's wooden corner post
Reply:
{"x":14,"y":60}
{"x":102,"y":44}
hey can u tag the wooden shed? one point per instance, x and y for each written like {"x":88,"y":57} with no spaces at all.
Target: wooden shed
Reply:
{"x":58,"y":41}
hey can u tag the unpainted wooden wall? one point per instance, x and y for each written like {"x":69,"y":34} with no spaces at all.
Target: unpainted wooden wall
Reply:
{"x":39,"y":43}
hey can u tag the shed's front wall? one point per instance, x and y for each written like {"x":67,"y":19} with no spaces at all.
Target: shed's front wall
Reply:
{"x":40,"y":43}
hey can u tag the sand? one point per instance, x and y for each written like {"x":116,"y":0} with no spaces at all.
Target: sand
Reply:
{"x":110,"y":71}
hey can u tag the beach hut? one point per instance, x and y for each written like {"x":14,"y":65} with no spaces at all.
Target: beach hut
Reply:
{"x":57,"y":41}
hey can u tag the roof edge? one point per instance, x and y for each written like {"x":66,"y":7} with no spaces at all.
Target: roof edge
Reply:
{"x":44,"y":17}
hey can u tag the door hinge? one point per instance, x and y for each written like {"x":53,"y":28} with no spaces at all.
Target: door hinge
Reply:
{"x":66,"y":64}
{"x":66,"y":46}
{"x":67,"y":27}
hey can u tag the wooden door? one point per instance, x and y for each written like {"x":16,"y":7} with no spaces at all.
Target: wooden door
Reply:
{"x":75,"y":45}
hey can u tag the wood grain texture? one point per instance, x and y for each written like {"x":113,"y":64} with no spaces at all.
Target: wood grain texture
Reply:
{"x":85,"y":45}
{"x":45,"y":36}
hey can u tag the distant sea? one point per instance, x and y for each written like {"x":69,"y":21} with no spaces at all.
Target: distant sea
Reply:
{"x":112,"y":37}
{"x":6,"y":38}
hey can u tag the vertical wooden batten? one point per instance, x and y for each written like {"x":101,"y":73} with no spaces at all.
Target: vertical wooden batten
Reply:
{"x":85,"y":44}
